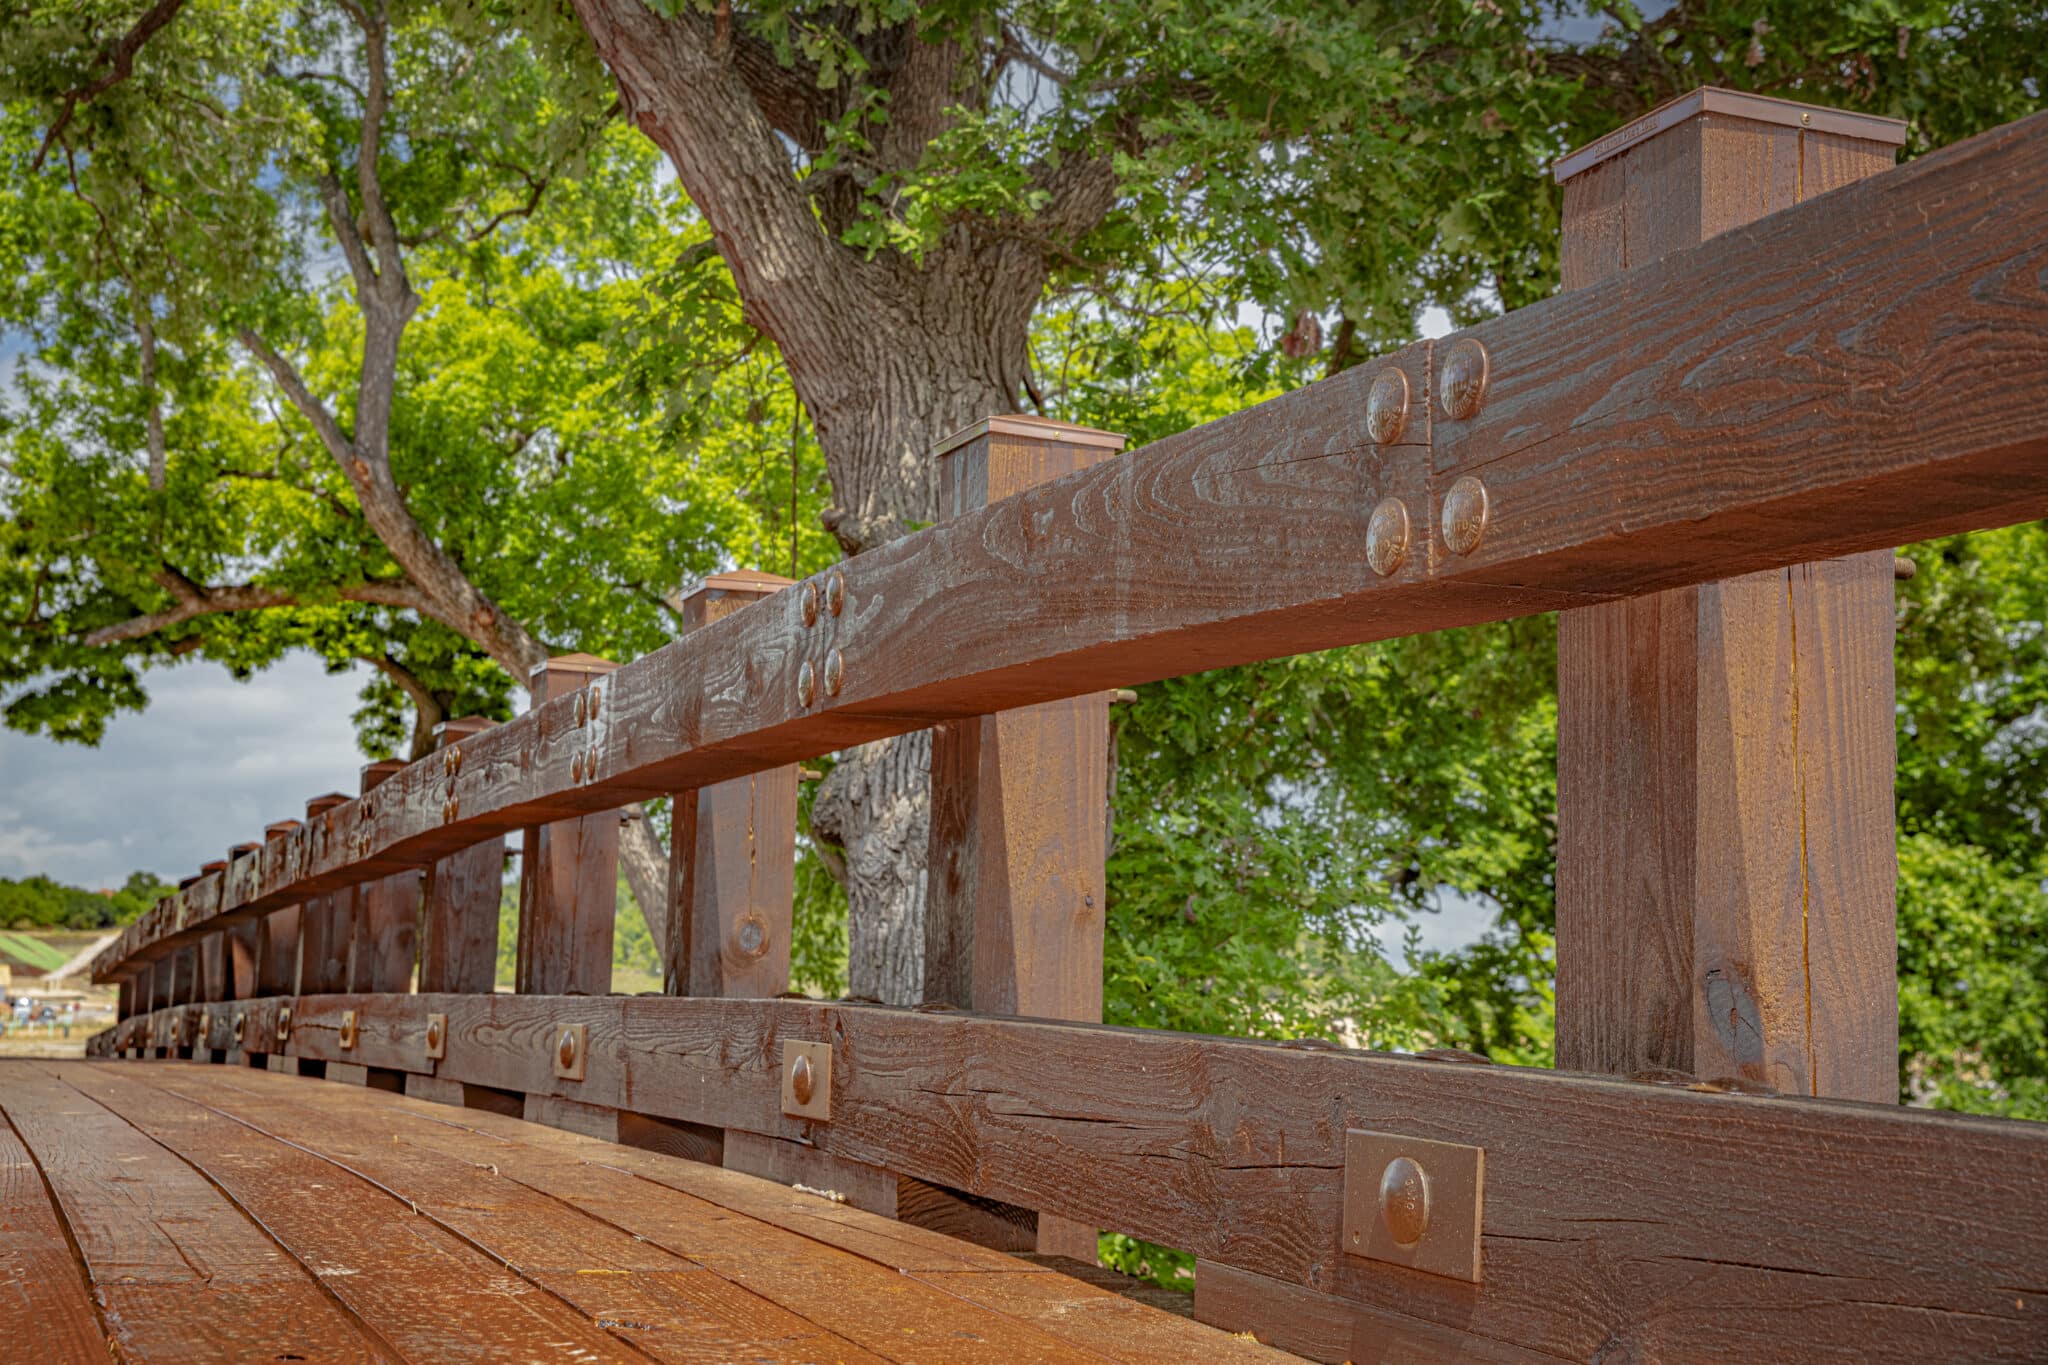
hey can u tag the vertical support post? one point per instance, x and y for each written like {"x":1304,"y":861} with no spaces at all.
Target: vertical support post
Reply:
{"x":732,"y":853}
{"x":384,"y":933}
{"x":277,"y":936}
{"x":1726,"y":860}
{"x":324,"y":925}
{"x":240,"y":944}
{"x":1014,"y":913}
{"x":568,"y":875}
{"x":459,"y":924}
{"x":126,"y":1006}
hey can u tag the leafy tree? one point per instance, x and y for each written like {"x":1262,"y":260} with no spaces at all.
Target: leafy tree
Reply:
{"x":43,"y":903}
{"x":898,"y":189}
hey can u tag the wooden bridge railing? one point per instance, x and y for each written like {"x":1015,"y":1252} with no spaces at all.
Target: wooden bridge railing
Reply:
{"x":1834,"y":378}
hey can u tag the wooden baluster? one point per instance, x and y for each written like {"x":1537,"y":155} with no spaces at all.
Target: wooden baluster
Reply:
{"x":459,"y":925}
{"x":1726,"y":859}
{"x":568,"y":883}
{"x":1015,"y":908}
{"x":240,"y":944}
{"x":324,"y":925}
{"x":277,"y":938}
{"x":384,"y":930}
{"x":732,"y":853}
{"x":126,"y":1006}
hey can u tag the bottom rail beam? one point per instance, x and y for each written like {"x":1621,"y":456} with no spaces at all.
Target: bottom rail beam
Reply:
{"x":1618,"y":1217}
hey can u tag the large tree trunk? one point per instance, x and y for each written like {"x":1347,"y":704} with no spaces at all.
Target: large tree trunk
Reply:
{"x":888,"y":358}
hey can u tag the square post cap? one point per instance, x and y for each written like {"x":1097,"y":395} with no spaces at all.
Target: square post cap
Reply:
{"x":565,"y":673}
{"x":1020,"y":426}
{"x":1712,"y":99}
{"x":320,"y":805}
{"x":722,"y":594}
{"x":279,"y":829}
{"x":462,"y":727}
{"x":375,"y":773}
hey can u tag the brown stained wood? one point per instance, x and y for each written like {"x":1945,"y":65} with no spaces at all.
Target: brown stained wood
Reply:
{"x":1324,"y":1327}
{"x":326,"y":930}
{"x":865,"y":1303}
{"x":885,"y":1298}
{"x":425,"y":1292}
{"x":568,"y":869}
{"x":732,"y":858}
{"x":243,"y":945}
{"x":1019,"y":834}
{"x":459,"y":916}
{"x":1708,"y":758}
{"x":1879,"y":385}
{"x":1232,"y":1149}
{"x":1119,"y":1326}
{"x":572,"y":1117}
{"x":43,"y":1294}
{"x":178,"y":1272}
{"x":384,"y":929}
{"x":868,"y":1188}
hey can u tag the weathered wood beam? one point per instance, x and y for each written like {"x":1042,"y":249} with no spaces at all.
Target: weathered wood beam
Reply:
{"x":1880,"y":383}
{"x":1627,"y":1218}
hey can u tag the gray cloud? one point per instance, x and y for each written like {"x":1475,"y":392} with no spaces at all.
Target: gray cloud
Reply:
{"x":207,"y":766}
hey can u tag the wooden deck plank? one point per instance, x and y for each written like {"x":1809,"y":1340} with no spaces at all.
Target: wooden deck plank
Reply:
{"x":678,"y":1310}
{"x":596,"y":1175}
{"x":43,"y":1294}
{"x":179,"y":1272}
{"x":422,"y":1289}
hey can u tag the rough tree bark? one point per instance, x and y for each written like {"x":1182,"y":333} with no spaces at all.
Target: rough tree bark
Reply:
{"x":887,"y":356}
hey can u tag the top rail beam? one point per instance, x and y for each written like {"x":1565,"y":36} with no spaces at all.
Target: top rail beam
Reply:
{"x":1882,"y":380}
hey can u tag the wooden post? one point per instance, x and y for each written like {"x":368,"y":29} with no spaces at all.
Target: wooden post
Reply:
{"x":325,"y":926}
{"x":459,"y":925}
{"x":1014,"y":912}
{"x":732,"y":853}
{"x":568,"y":875}
{"x":240,"y":945}
{"x":1725,"y":858}
{"x":277,"y":937}
{"x":384,"y":932}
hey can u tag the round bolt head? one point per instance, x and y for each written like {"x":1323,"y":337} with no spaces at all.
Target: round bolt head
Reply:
{"x":1386,"y":536}
{"x":810,"y":604}
{"x":1404,"y":1201}
{"x":582,"y":703}
{"x":576,"y":766}
{"x":1463,"y":386}
{"x":835,"y":673}
{"x":835,"y":593}
{"x":596,"y":696}
{"x":433,"y":1033}
{"x":566,"y":1049}
{"x":801,"y":1081}
{"x":806,"y":684}
{"x":1464,"y":517}
{"x":750,"y":935}
{"x":241,"y":1025}
{"x":1386,"y":407}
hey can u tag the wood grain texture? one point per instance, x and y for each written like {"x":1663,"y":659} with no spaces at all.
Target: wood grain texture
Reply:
{"x":177,"y":1271}
{"x":384,"y":939}
{"x":1325,"y":1327}
{"x":568,"y":869}
{"x":459,"y":922}
{"x":1709,"y":758}
{"x":43,"y":1294}
{"x":1632,"y":1218}
{"x":1880,"y":384}
{"x":421,"y":1290}
{"x":617,"y":1219}
{"x":996,"y":1302}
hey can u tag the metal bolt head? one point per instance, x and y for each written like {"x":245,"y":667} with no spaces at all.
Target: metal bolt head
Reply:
{"x":565,"y":1050}
{"x":241,"y":1025}
{"x":810,"y":604}
{"x":806,"y":684}
{"x":1464,"y":515}
{"x":1404,"y":1201}
{"x":582,"y":708}
{"x":801,"y":1081}
{"x":750,"y":935}
{"x":433,"y":1035}
{"x":835,"y":593}
{"x":576,"y":766}
{"x":1386,"y":536}
{"x":284,"y":1023}
{"x":835,"y":673}
{"x":596,"y":696}
{"x":1386,"y":406}
{"x":1463,"y":385}
{"x":348,"y":1030}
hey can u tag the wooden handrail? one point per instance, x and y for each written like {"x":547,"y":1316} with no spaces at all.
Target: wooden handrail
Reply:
{"x":1883,"y":385}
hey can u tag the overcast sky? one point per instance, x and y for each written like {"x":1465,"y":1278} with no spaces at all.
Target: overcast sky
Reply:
{"x":207,"y":766}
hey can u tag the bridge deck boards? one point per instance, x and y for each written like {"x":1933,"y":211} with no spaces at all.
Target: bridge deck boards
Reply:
{"x":229,"y":1212}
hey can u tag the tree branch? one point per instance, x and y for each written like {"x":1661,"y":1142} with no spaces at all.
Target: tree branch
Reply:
{"x":426,"y":707}
{"x":121,"y":65}
{"x":191,"y":601}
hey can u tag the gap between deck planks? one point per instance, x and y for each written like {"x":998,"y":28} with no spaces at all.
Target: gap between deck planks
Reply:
{"x":721,"y":1266}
